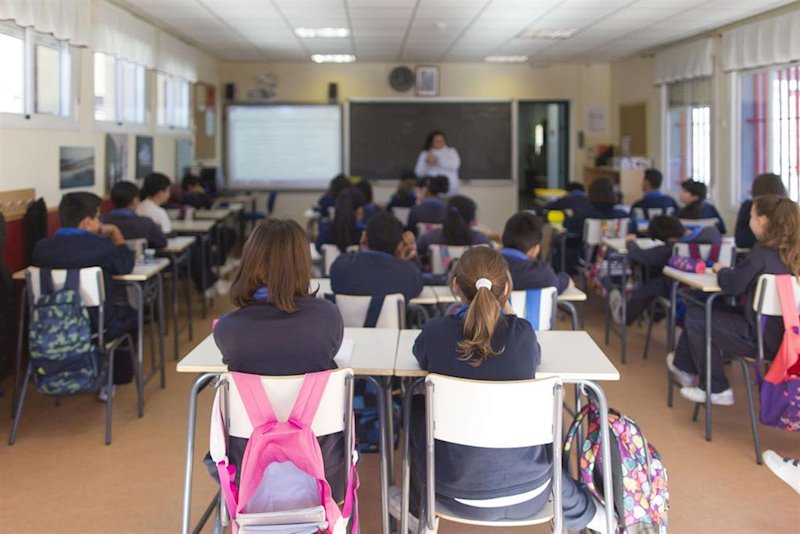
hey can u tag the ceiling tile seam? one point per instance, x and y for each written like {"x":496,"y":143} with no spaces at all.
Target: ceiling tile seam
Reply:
{"x":232,"y":29}
{"x":461,"y":34}
{"x":291,"y":29}
{"x":496,"y":50}
{"x":350,"y":28}
{"x":407,"y":32}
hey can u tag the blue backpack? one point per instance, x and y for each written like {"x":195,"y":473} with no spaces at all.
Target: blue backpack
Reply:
{"x":63,"y":357}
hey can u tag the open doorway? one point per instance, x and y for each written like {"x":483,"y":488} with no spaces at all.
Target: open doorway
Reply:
{"x":543,"y":147}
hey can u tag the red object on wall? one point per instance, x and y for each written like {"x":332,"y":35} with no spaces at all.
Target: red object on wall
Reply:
{"x":14,"y":253}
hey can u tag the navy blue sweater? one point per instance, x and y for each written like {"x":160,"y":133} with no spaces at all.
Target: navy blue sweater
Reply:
{"x":532,"y":274}
{"x":474,"y":472}
{"x":653,"y":199}
{"x":428,"y":211}
{"x":371,"y":273}
{"x":134,"y":226}
{"x":743,"y":234}
{"x":706,"y":211}
{"x":575,"y":201}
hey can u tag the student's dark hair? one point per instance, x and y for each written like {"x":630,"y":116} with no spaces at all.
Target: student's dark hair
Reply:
{"x":366,"y":190}
{"x":190,"y":180}
{"x":523,"y":231}
{"x":458,"y":217}
{"x":665,"y":227}
{"x":154,"y":183}
{"x":575,"y":186}
{"x":484,"y":304}
{"x":601,"y":191}
{"x":654,"y":178}
{"x":275,"y":256}
{"x":783,"y":228}
{"x":123,"y":194}
{"x":768,"y":184}
{"x":439,"y":184}
{"x":429,"y":139}
{"x":75,"y":207}
{"x":343,"y":231}
{"x":408,"y":179}
{"x":696,"y":189}
{"x":339,"y":183}
{"x":384,"y":233}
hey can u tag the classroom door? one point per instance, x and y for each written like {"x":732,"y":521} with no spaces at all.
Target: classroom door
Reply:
{"x":543,"y":139}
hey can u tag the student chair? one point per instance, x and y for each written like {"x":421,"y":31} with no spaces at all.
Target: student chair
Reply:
{"x":703,"y":223}
{"x":595,"y":230}
{"x":230,"y":420}
{"x":444,"y":256}
{"x":357,"y":311}
{"x":401,"y":214}
{"x":481,"y":413}
{"x":424,"y":228}
{"x":329,"y":254}
{"x":92,"y":293}
{"x":648,"y":214}
{"x":538,"y":306}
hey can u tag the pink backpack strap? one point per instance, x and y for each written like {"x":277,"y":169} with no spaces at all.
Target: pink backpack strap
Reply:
{"x":307,"y":402}
{"x":254,"y":398}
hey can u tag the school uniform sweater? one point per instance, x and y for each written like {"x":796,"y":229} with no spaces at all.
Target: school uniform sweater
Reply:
{"x":408,"y":201}
{"x":575,"y":201}
{"x":261,"y":339}
{"x":742,"y":233}
{"x":532,"y":274}
{"x":653,"y":199}
{"x":430,"y":211}
{"x":707,"y":211}
{"x":657,"y":257}
{"x":325,"y":234}
{"x":574,"y":224}
{"x":372,"y":273}
{"x":436,"y":237}
{"x":134,"y":226}
{"x":475,"y":472}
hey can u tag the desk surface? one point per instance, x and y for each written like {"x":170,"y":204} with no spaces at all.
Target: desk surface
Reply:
{"x":619,"y":244}
{"x":177,"y":244}
{"x":374,"y":351}
{"x":571,"y":294}
{"x":571,"y":355}
{"x":233,"y":206}
{"x":141,"y":271}
{"x":428,"y":296}
{"x":215,"y":214}
{"x":193,"y":227}
{"x":705,"y":282}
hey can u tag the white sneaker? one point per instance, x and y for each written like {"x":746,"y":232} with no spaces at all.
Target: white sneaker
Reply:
{"x":102,"y":395}
{"x":615,"y":305}
{"x":786,"y":469}
{"x":396,"y":508}
{"x":695,"y":394}
{"x":222,"y":287}
{"x":683,"y":378}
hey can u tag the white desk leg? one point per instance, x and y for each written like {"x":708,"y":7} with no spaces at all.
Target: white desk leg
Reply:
{"x":385,"y":448}
{"x":709,"y":314}
{"x":406,"y":472}
{"x":162,"y":328}
{"x":605,"y":450}
{"x":139,"y":346}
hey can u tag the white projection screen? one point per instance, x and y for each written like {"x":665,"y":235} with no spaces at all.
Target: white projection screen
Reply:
{"x":283,"y":146}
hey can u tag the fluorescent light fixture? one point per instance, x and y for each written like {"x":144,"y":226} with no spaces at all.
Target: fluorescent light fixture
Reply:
{"x":548,"y":33}
{"x":333,"y":58}
{"x":325,"y":33}
{"x":506,"y":59}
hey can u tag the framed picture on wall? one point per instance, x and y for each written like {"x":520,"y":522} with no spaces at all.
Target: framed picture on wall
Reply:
{"x":116,"y":159}
{"x":427,"y":77}
{"x":144,"y":155}
{"x":76,"y":166}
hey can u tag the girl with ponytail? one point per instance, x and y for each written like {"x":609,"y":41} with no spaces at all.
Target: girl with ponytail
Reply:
{"x":348,"y":221}
{"x":483,"y":340}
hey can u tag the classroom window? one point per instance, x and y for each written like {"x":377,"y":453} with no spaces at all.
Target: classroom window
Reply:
{"x":119,"y":90}
{"x":688,"y":124}
{"x":770,"y":127}
{"x":12,"y":82}
{"x":52,"y":76}
{"x":173,"y":101}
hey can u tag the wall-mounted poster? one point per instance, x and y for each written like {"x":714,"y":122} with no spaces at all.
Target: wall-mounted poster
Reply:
{"x":116,"y":159}
{"x":183,"y":157}
{"x":144,"y":155}
{"x":76,"y":166}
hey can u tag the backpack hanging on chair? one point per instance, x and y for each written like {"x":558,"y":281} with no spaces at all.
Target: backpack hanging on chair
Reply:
{"x":604,"y":267}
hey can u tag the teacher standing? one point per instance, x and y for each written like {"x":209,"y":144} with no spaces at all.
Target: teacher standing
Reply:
{"x":438,"y":158}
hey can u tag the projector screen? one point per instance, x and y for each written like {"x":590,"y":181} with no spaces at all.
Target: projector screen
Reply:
{"x":283,"y":146}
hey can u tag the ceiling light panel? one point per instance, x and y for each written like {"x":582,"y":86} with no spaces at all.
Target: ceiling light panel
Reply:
{"x":333,"y":58}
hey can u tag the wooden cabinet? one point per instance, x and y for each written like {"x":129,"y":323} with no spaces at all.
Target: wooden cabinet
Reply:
{"x":629,"y":181}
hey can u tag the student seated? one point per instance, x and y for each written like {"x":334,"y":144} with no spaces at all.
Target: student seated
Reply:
{"x":522,"y":239}
{"x":456,"y":227}
{"x":404,"y":196}
{"x":575,"y":201}
{"x":764,"y":184}
{"x":83,"y":241}
{"x":668,"y":229}
{"x":484,"y":340}
{"x":125,"y":198}
{"x":194,"y":194}
{"x":279,"y":328}
{"x":775,"y":221}
{"x":370,"y":208}
{"x":339,"y":183}
{"x":385,"y":264}
{"x":347,"y":224}
{"x":430,"y":209}
{"x":652,"y":198}
{"x":602,"y":205}
{"x":693,"y":197}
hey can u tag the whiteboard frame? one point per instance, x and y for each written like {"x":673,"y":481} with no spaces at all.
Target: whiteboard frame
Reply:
{"x":437,"y":100}
{"x":226,"y":147}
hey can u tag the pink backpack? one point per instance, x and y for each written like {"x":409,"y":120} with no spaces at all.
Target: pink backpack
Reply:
{"x":282,"y":476}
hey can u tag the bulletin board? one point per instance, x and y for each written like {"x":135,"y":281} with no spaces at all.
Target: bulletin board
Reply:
{"x":206,"y":118}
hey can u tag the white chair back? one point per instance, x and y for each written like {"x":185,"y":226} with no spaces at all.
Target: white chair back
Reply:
{"x":538,"y":306}
{"x":137,"y":246}
{"x":329,"y":254}
{"x":727,"y":252}
{"x":703,"y":223}
{"x":282,"y":392}
{"x":766,"y":300}
{"x":401,"y":214}
{"x":648,"y":214}
{"x":594,"y":230}
{"x":92,"y":289}
{"x":442,"y":257}
{"x":424,"y":228}
{"x":354,"y":310}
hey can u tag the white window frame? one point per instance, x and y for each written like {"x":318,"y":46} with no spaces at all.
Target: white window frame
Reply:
{"x":172,"y":113}
{"x":69,"y":81}
{"x":116,"y":125}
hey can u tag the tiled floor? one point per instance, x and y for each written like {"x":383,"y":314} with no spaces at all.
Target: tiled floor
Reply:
{"x":61,"y":478}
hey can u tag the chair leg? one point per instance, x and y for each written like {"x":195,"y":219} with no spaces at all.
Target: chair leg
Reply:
{"x":650,"y":315}
{"x":670,"y":388}
{"x":752,"y":409}
{"x":109,"y":394}
{"x":697,"y":407}
{"x":12,"y":437}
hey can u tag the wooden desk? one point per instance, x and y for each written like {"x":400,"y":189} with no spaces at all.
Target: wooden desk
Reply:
{"x":619,"y":244}
{"x":218,"y":215}
{"x":323,"y":287}
{"x":192,"y":227}
{"x":705,"y":282}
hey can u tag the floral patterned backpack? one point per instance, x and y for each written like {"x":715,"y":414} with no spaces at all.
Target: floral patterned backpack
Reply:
{"x":641,"y":497}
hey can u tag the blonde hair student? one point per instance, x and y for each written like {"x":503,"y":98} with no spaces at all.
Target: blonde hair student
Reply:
{"x":775,"y":222}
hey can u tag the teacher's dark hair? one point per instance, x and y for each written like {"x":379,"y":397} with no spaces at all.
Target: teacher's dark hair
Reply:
{"x":429,"y":139}
{"x":344,"y":231}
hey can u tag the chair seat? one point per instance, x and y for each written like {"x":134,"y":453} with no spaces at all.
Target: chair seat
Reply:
{"x":544,"y":515}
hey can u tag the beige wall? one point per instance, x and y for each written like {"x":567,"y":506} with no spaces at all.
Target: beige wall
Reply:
{"x":584,"y":86}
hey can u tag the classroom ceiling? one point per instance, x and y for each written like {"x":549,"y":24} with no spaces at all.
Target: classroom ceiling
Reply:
{"x":440,"y":30}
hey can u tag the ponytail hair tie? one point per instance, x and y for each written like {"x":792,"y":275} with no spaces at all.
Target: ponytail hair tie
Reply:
{"x":483,"y":282}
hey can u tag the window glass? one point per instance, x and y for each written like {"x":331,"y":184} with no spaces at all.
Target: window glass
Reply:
{"x":12,"y":82}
